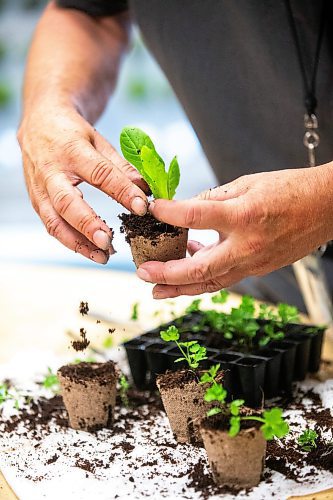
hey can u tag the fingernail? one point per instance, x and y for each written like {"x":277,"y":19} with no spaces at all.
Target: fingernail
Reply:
{"x":138,"y":206}
{"x":151,"y":206}
{"x":159,"y":294}
{"x":112,"y":251}
{"x":99,"y":257}
{"x":143,"y":274}
{"x":102,"y":239}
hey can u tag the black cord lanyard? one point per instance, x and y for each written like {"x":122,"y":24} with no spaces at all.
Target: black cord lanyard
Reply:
{"x":311,"y":136}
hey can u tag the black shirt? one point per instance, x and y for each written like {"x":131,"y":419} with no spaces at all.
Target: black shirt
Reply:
{"x":234,"y":68}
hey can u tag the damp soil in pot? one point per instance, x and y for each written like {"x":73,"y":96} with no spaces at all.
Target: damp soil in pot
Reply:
{"x":236,"y":462}
{"x":89,"y":394}
{"x":151,"y":239}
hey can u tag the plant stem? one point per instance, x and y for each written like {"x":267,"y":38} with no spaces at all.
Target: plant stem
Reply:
{"x":257,"y":419}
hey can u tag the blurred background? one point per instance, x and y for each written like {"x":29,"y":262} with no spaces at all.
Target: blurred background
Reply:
{"x":143,"y":98}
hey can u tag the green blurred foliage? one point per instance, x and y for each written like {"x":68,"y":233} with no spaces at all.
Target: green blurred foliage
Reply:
{"x":5,"y":94}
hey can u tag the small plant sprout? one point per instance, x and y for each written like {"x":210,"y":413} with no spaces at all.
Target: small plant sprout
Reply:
{"x":135,"y":312}
{"x":221,"y":297}
{"x":193,"y":307}
{"x":287,"y":314}
{"x":307,"y":440}
{"x":51,"y":381}
{"x":193,"y":353}
{"x":6,"y":394}
{"x":124,"y":386}
{"x":273,"y":424}
{"x":139,"y":150}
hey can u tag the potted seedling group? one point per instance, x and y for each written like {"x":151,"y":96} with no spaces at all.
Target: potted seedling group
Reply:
{"x":149,"y":238}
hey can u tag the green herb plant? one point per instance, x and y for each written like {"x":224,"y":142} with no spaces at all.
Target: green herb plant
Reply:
{"x":124,"y":386}
{"x":307,"y":440}
{"x":135,"y":312}
{"x":273,"y":424}
{"x":139,"y":150}
{"x":192,"y":352}
{"x":7,"y":394}
{"x":51,"y":381}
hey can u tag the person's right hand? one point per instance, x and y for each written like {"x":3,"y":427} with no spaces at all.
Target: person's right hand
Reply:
{"x":60,"y":150}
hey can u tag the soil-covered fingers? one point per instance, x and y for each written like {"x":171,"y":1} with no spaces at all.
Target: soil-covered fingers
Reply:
{"x":194,"y":213}
{"x":107,"y":150}
{"x":104,"y":174}
{"x":205,"y":264}
{"x":71,"y":207}
{"x":56,"y":226}
{"x":172,"y":291}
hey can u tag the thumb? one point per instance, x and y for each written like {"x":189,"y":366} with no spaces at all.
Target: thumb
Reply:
{"x":194,"y":213}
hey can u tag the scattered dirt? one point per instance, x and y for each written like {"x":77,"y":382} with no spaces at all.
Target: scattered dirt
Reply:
{"x":146,"y":226}
{"x":81,"y":345}
{"x":84,"y":308}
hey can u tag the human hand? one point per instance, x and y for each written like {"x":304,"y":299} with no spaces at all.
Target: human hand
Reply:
{"x":60,"y":150}
{"x":264,"y":221}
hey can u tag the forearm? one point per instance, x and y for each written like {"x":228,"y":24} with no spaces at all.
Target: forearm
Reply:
{"x":74,"y":60}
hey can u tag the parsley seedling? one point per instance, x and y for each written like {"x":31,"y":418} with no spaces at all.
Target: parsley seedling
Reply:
{"x":273,"y":424}
{"x":51,"y":381}
{"x":221,"y":297}
{"x":193,"y":307}
{"x":135,"y":312}
{"x":139,"y":150}
{"x":124,"y":386}
{"x":307,"y":440}
{"x":192,"y":351}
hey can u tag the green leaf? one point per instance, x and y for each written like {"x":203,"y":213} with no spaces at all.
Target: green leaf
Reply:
{"x":171,"y":334}
{"x":234,"y":426}
{"x":213,"y":411}
{"x":173,"y":178}
{"x":215,"y":393}
{"x":275,"y":425}
{"x":179,"y":359}
{"x":135,"y":312}
{"x":307,"y":440}
{"x":153,"y":171}
{"x":221,"y":297}
{"x":235,"y":406}
{"x":193,"y":307}
{"x":131,"y":142}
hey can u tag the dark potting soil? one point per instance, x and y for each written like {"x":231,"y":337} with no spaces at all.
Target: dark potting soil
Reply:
{"x":177,"y":379}
{"x":81,"y":345}
{"x":102,"y":373}
{"x":202,"y":482}
{"x":146,"y":226}
{"x":220,"y":422}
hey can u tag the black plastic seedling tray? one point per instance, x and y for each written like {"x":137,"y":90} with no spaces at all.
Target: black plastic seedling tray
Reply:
{"x":253,"y":375}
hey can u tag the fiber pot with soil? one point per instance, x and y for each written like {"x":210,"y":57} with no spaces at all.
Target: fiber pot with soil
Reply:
{"x":235,"y":438}
{"x":89,"y":394}
{"x":149,"y":238}
{"x":182,"y":391}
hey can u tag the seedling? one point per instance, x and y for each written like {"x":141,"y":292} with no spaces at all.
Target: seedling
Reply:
{"x":193,"y":353}
{"x":221,"y":297}
{"x":193,"y":307}
{"x":51,"y":381}
{"x":108,"y":342}
{"x":287,"y":314}
{"x":307,"y":440}
{"x":139,"y":150}
{"x":271,"y":332}
{"x":135,"y":312}
{"x":273,"y":424}
{"x":124,"y":386}
{"x":7,"y":395}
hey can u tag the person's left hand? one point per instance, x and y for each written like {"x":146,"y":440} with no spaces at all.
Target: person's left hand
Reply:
{"x":264,"y":221}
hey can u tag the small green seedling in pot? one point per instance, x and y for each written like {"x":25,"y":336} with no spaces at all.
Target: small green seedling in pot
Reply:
{"x":307,"y":440}
{"x":139,"y":150}
{"x":192,"y":352}
{"x":273,"y":423}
